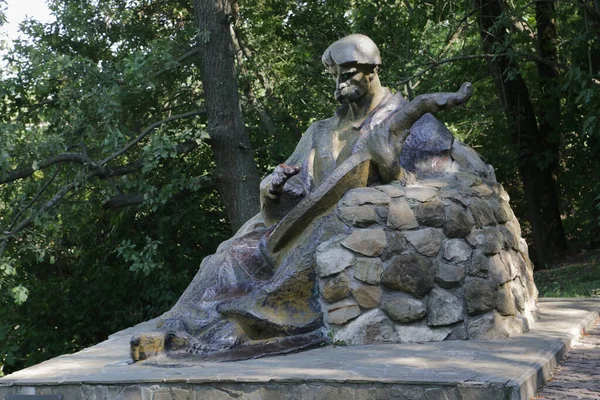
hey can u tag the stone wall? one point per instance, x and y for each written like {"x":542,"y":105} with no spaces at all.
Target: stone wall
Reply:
{"x":439,"y":260}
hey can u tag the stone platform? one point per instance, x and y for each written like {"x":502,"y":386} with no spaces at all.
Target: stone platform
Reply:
{"x":494,"y":369}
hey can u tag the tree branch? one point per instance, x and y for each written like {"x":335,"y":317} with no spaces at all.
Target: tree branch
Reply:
{"x":147,"y":131}
{"x":436,"y":63}
{"x":35,"y":199}
{"x":125,"y":200}
{"x":29,"y":220}
{"x":264,"y":117}
{"x":180,"y":60}
{"x":137,"y":165}
{"x":83,"y":159}
{"x":102,"y":173}
{"x":61,"y":158}
{"x":34,"y":107}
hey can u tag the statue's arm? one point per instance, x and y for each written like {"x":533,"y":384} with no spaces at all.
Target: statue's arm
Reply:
{"x":428,"y":103}
{"x":289,"y":183}
{"x":385,"y":141}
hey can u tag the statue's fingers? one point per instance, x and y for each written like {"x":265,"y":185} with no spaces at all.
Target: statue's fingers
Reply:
{"x":289,"y":170}
{"x":464,"y":93}
{"x":467,"y":89}
{"x":278,"y":179}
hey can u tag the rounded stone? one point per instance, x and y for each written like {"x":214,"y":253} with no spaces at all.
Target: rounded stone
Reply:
{"x":505,"y":301}
{"x":337,"y":288}
{"x":459,"y":221}
{"x":332,"y":259}
{"x":456,"y":251}
{"x":485,"y":327}
{"x":396,"y":244}
{"x":520,"y":294}
{"x":368,"y":270}
{"x":483,"y":190}
{"x":490,"y":240}
{"x":367,"y":296}
{"x":479,"y":264}
{"x":494,"y":326}
{"x":443,"y":308}
{"x":371,"y":327}
{"x":392,"y":190}
{"x":421,"y":332}
{"x":430,"y":213}
{"x":420,"y":193}
{"x":409,"y":273}
{"x":509,"y":239}
{"x":342,"y":311}
{"x":403,"y":308}
{"x":401,"y":216}
{"x":480,"y":295}
{"x":367,"y":195}
{"x":361,"y":216}
{"x":499,"y":269}
{"x":426,"y":241}
{"x":501,"y":210}
{"x":514,"y":227}
{"x":482,"y":213}
{"x":450,"y":275}
{"x":369,"y":242}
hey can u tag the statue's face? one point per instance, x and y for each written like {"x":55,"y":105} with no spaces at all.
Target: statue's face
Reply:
{"x":352,"y":82}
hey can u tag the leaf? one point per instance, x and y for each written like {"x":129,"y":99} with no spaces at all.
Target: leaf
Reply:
{"x":20,"y":294}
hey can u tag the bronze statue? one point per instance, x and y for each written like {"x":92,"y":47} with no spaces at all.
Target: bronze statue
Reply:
{"x":257,"y":294}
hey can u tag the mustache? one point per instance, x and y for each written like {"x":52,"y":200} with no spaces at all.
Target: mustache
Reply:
{"x":349,"y":96}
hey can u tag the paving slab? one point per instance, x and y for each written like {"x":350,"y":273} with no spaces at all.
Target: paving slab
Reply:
{"x":495,"y":369}
{"x":578,"y":376}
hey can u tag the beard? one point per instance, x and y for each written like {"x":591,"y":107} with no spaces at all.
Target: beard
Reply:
{"x":348,"y":95}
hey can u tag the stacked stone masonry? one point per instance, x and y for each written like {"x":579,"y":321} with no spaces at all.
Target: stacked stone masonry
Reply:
{"x":439,"y":260}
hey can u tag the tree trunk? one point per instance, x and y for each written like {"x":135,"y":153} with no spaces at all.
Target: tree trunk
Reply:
{"x":550,"y":126}
{"x":236,"y":174}
{"x":530,"y":142}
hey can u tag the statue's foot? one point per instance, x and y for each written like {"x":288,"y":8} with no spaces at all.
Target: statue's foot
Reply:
{"x":146,"y":345}
{"x":175,"y":341}
{"x":223,"y":341}
{"x":273,"y":346}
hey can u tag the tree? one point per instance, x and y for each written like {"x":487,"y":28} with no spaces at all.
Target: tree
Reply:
{"x":103,"y":142}
{"x":538,"y":151}
{"x":236,"y":173}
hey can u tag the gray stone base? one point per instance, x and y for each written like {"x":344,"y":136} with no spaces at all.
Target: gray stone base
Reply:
{"x":495,"y":369}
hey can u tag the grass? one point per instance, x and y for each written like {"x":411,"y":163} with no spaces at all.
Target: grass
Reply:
{"x":575,"y":276}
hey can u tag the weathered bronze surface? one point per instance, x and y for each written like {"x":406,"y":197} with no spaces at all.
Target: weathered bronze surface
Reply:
{"x":259,"y":293}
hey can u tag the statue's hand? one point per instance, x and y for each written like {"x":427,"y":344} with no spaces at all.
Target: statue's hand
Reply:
{"x":428,"y":103}
{"x":280,"y":176}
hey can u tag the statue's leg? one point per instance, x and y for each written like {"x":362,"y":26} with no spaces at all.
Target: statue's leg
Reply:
{"x":194,"y":324}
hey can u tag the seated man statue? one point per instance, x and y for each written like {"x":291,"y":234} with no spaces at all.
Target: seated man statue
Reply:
{"x":257,"y":294}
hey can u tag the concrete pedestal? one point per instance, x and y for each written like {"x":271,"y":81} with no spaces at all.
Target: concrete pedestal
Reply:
{"x":496,"y":369}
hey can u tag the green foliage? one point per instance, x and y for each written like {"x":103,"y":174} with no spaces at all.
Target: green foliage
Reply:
{"x":88,"y":84}
{"x":333,"y":341}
